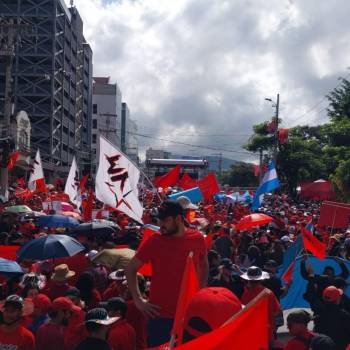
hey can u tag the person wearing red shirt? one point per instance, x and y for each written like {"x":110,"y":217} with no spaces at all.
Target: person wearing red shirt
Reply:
{"x":167,"y":252}
{"x":12,"y":334}
{"x":254,"y":277}
{"x":89,"y":294}
{"x":121,"y":335}
{"x":54,"y":331}
{"x":60,"y":278}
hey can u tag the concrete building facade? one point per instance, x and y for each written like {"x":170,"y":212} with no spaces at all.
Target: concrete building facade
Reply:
{"x":106,"y":115}
{"x":52,"y":81}
{"x":128,"y":137}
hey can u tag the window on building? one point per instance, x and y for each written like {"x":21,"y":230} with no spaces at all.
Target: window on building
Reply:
{"x":94,"y":123}
{"x":94,"y":138}
{"x":94,"y":108}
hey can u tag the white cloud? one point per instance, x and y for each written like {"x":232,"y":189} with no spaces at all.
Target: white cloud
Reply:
{"x":205,"y":66}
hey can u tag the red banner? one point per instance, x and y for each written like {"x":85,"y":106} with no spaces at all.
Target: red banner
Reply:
{"x":9,"y":252}
{"x":335,"y":215}
{"x":169,"y":179}
{"x":187,"y":182}
{"x":317,"y":190}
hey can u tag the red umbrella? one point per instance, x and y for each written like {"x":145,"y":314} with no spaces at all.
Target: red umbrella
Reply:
{"x":253,"y":220}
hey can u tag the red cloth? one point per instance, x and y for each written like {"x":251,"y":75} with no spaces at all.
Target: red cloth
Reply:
{"x":209,"y":186}
{"x":283,"y":136}
{"x":12,"y":160}
{"x":168,"y":255}
{"x":273,"y":305}
{"x":169,"y":179}
{"x":111,"y":292}
{"x":313,"y":245}
{"x":288,"y":274}
{"x":189,"y":287}
{"x":256,"y":170}
{"x":19,"y":339}
{"x":139,"y":322}
{"x":187,"y":182}
{"x":249,"y":330}
{"x":77,"y":263}
{"x":50,"y":337}
{"x":122,"y":336}
{"x":297,"y":344}
{"x":9,"y":252}
{"x":83,"y":182}
{"x":335,"y":215}
{"x":94,"y":300}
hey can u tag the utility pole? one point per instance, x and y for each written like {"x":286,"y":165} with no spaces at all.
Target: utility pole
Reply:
{"x":276,"y":131}
{"x":260,"y":164}
{"x":9,"y":33}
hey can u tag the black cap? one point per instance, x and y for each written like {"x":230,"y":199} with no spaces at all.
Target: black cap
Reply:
{"x":116,"y":304}
{"x":271,"y":263}
{"x":99,"y":316}
{"x":170,"y":208}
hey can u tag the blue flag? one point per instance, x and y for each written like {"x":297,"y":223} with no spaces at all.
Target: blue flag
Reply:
{"x":268,"y":184}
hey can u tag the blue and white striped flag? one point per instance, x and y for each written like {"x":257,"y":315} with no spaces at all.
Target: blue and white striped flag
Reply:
{"x":268,"y":184}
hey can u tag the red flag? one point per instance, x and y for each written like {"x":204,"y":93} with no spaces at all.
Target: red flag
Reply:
{"x":187,"y":182}
{"x":209,"y":186}
{"x":87,"y":213}
{"x":169,"y":179}
{"x":189,"y":287}
{"x":82,"y":183}
{"x":283,"y":135}
{"x":256,"y":170}
{"x":23,"y":193}
{"x":237,"y":332}
{"x":40,"y":186}
{"x":313,"y":245}
{"x":12,"y":160}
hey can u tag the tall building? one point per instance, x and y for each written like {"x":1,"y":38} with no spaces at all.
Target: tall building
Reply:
{"x":128,"y":136}
{"x":106,"y":114}
{"x":52,"y":80}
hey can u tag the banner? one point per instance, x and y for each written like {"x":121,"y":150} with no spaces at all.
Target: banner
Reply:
{"x":187,"y":182}
{"x":72,"y":187}
{"x":335,"y":215}
{"x":116,"y":181}
{"x":36,"y":179}
{"x":194,"y":195}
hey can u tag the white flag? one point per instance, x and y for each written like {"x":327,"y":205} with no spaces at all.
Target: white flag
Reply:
{"x":36,"y":173}
{"x":72,"y":187}
{"x":116,"y":181}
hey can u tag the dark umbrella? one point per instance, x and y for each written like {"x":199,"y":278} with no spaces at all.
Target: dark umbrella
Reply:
{"x":50,"y":247}
{"x":94,"y":229}
{"x":10,"y":267}
{"x":57,"y":221}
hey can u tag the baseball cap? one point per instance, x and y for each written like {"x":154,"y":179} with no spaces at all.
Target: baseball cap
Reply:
{"x":99,"y":316}
{"x":226,"y":263}
{"x":118,"y":275}
{"x":255,"y":273}
{"x":211,"y":307}
{"x":42,"y":302}
{"x":186,"y":203}
{"x":115,"y":304}
{"x":170,"y":208}
{"x":299,"y":316}
{"x":332,"y":294}
{"x":64,"y":304}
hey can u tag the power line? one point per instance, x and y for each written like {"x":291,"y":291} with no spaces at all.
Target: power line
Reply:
{"x":192,"y":145}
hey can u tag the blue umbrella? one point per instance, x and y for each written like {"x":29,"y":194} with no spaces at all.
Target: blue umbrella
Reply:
{"x":9,"y":266}
{"x":57,"y":221}
{"x":50,"y":247}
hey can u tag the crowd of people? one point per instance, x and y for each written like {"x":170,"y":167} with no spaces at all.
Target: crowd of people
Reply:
{"x":76,"y":303}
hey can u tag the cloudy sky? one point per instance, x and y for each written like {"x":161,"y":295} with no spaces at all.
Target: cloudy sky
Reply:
{"x":197,"y":71}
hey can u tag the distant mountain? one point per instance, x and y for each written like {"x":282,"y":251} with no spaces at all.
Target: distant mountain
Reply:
{"x":214,"y":161}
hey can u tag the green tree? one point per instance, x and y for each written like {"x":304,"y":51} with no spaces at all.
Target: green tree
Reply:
{"x":240,"y":174}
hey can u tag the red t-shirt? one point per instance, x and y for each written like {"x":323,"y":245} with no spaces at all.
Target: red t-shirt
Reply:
{"x":56,"y":290}
{"x":167,"y":255}
{"x":112,"y":291}
{"x":76,"y":331}
{"x":298,"y":344}
{"x":139,"y":322}
{"x":19,"y":339}
{"x":122,"y":336}
{"x":50,"y":337}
